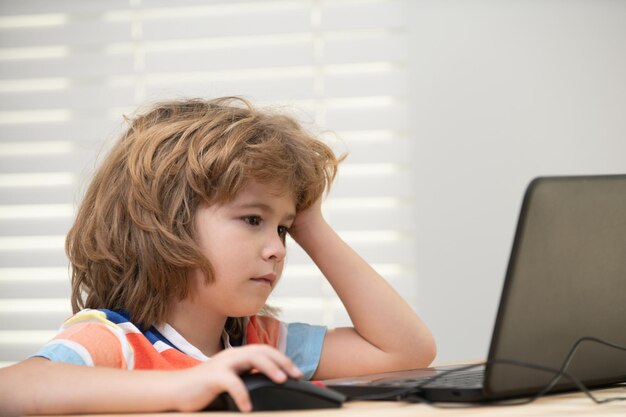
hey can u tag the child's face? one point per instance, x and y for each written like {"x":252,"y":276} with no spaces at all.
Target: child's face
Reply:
{"x":244,"y":240}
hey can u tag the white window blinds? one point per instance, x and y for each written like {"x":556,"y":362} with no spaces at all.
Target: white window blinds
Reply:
{"x":69,"y":70}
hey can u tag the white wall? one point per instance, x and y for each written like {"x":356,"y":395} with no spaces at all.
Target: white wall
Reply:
{"x":502,"y":91}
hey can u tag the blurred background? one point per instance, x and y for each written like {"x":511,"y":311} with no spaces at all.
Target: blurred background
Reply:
{"x":447,"y":110}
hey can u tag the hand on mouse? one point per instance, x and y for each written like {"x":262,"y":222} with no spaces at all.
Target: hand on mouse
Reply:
{"x":200,"y":385}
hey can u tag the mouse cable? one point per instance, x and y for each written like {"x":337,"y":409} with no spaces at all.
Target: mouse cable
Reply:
{"x":412,"y":394}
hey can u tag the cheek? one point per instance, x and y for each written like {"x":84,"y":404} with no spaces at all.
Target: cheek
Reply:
{"x":280,"y":267}
{"x":216,"y":243}
{"x":231,"y":255}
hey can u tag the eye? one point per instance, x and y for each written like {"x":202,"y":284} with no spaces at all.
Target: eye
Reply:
{"x":282,"y":232}
{"x":252,"y":220}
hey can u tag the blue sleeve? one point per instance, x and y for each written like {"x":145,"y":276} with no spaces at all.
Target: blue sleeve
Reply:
{"x":64,"y":351}
{"x":304,"y":346}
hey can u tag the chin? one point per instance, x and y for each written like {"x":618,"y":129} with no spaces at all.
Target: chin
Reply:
{"x":247,"y":311}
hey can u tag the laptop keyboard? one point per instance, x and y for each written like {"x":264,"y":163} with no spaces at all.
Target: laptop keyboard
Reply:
{"x":462,"y":379}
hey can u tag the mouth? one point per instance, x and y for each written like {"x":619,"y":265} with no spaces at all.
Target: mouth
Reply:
{"x":267,"y":279}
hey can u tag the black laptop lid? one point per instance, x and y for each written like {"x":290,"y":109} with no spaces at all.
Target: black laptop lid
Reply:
{"x":566,"y":280}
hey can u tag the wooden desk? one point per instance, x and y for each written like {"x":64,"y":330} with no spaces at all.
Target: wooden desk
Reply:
{"x":573,"y":404}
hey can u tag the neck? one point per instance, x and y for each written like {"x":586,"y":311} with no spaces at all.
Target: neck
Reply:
{"x":198,"y":326}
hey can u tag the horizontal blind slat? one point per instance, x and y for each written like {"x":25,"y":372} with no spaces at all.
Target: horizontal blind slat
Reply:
{"x":35,"y":7}
{"x":381,"y":152}
{"x":33,"y":258}
{"x":38,"y":319}
{"x":72,"y":65}
{"x":88,"y":132}
{"x":390,"y":82}
{"x":300,"y":53}
{"x":38,"y":196}
{"x":96,"y":96}
{"x":393,"y":185}
{"x":35,"y":289}
{"x":89,"y":32}
{"x":257,"y":22}
{"x":361,"y":15}
{"x":15,"y":352}
{"x":68,"y":162}
{"x":388,"y":47}
{"x":256,"y":89}
{"x":386,"y":116}
{"x":33,"y":227}
{"x":240,"y":4}
{"x":387,"y":83}
{"x":295,"y":286}
{"x":401,"y":219}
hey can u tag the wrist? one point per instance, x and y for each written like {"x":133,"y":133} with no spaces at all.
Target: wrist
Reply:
{"x":310,"y":232}
{"x":170,"y":390}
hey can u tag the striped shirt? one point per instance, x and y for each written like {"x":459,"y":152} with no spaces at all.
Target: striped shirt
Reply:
{"x":109,"y":338}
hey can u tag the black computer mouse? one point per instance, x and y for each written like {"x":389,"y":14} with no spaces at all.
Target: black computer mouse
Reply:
{"x":294,"y":394}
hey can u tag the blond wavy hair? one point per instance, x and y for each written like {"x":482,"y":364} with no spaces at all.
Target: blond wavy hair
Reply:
{"x":132,"y":243}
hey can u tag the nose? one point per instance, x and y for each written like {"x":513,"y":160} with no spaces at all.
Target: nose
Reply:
{"x":274,"y":248}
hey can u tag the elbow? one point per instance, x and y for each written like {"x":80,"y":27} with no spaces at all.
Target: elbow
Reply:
{"x":418,"y":355}
{"x":425,"y":352}
{"x":429,"y":351}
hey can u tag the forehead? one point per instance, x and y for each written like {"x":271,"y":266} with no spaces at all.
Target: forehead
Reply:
{"x":275,"y":195}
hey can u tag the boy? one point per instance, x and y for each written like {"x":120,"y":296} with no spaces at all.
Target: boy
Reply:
{"x":177,"y":245}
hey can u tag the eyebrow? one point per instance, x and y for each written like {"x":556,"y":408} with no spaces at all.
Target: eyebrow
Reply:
{"x":263,"y":207}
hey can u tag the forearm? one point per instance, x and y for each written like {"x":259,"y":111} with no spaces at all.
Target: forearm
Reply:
{"x":379,"y":314}
{"x":38,"y":386}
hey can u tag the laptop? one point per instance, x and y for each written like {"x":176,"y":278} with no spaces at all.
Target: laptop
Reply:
{"x":566,"y":280}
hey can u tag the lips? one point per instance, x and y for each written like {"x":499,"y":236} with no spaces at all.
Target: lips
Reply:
{"x":268,"y":279}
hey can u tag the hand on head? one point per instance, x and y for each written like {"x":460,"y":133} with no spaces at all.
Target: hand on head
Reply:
{"x":306,"y":219}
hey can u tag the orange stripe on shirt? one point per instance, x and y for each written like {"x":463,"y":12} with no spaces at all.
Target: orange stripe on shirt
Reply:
{"x":103,"y":346}
{"x":262,"y":329}
{"x":147,"y":357}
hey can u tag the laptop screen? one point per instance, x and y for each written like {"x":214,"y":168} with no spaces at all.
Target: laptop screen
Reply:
{"x":566,"y":280}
